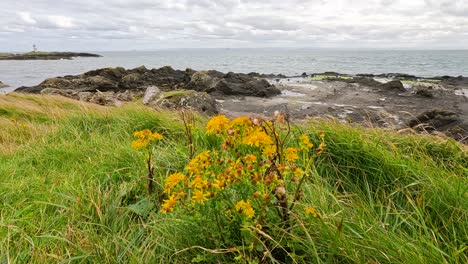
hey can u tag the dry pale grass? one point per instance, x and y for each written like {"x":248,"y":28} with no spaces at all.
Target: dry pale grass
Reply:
{"x":28,"y":118}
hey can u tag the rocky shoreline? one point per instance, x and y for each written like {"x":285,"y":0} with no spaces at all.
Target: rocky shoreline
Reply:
{"x":400,"y":101}
{"x":46,"y":55}
{"x":2,"y":85}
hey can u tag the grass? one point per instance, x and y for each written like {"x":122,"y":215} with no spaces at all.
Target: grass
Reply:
{"x":31,"y":53}
{"x":73,"y":190}
{"x":40,"y":53}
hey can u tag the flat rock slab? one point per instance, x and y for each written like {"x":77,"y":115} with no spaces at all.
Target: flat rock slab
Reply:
{"x":355,"y":103}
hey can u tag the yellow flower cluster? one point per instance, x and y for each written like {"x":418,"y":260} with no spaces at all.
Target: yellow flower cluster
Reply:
{"x":258,"y":138}
{"x":245,"y":208}
{"x":291,"y":154}
{"x":217,"y":124}
{"x":169,"y":204}
{"x":145,"y":138}
{"x":305,"y":142}
{"x":240,"y":122}
{"x":173,"y":180}
{"x":199,"y":163}
{"x":313,"y":212}
{"x":269,"y":151}
{"x":255,"y":162}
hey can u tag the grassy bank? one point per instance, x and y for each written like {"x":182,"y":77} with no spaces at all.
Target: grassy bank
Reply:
{"x":73,"y":190}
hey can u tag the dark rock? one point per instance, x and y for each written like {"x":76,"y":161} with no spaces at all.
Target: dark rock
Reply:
{"x":188,"y":75}
{"x":204,"y":81}
{"x":118,"y":80}
{"x":93,"y":83}
{"x":304,"y":74}
{"x":131,"y":81}
{"x":399,"y":76}
{"x":142,"y":69}
{"x":393,"y":86}
{"x":237,"y":77}
{"x":26,"y":89}
{"x":231,"y":84}
{"x":267,"y":76}
{"x":365,"y":81}
{"x":54,"y":91}
{"x":235,"y":86}
{"x":332,"y":73}
{"x":366,"y":75}
{"x":114,"y":74}
{"x":435,"y":120}
{"x":456,"y":81}
{"x":216,"y":74}
{"x":424,"y":91}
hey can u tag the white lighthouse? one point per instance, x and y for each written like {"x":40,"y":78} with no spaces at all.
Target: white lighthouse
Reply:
{"x":34,"y":48}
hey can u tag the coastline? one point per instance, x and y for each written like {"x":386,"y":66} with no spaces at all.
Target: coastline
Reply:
{"x":396,"y":101}
{"x":40,"y":55}
{"x":289,"y":62}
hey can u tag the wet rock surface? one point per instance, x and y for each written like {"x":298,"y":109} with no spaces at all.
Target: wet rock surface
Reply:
{"x":392,"y":104}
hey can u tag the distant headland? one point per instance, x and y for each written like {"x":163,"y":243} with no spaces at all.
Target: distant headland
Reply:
{"x":41,"y":55}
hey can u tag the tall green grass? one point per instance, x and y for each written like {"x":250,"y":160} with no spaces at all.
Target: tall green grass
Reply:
{"x":73,"y":190}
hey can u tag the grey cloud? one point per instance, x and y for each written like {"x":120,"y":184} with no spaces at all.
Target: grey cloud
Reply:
{"x":248,"y":23}
{"x":453,"y":7}
{"x":263,"y":22}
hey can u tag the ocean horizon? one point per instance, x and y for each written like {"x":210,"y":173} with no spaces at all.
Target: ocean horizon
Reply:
{"x":288,"y":61}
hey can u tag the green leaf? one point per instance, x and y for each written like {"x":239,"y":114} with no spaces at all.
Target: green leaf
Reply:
{"x":142,"y":207}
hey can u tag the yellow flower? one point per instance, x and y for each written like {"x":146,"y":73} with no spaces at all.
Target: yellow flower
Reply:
{"x":305,"y":142}
{"x":313,"y":212}
{"x":144,"y":138}
{"x":219,"y":184}
{"x":250,"y":158}
{"x":298,"y":173}
{"x":246,"y":208}
{"x":242,"y":121}
{"x":173,"y":180}
{"x":169,"y":204}
{"x":197,"y":182}
{"x":268,"y":151}
{"x":291,"y":154}
{"x":138,"y":144}
{"x":217,"y":124}
{"x":199,"y":197}
{"x":155,"y":136}
{"x":258,"y":138}
{"x":200,"y":162}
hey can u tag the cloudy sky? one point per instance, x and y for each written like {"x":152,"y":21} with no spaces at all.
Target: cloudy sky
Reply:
{"x":98,"y":25}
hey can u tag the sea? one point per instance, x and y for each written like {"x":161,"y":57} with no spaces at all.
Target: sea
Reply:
{"x":288,"y":61}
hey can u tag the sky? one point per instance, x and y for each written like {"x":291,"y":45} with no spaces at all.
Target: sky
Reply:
{"x":101,"y":25}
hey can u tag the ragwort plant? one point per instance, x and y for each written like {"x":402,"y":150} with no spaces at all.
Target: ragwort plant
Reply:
{"x":252,"y":183}
{"x":146,"y":141}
